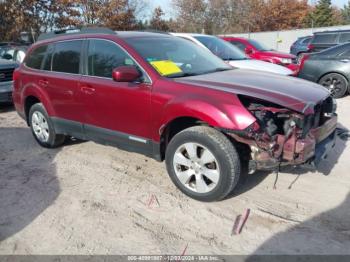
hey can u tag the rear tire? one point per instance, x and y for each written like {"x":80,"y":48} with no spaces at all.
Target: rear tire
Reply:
{"x":203,"y":163}
{"x":42,"y":127}
{"x":335,"y":83}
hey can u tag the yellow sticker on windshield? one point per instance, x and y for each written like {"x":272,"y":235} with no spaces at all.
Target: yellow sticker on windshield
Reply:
{"x":166,"y":67}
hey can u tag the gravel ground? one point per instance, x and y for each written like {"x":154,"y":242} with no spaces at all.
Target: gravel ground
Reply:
{"x":87,"y":198}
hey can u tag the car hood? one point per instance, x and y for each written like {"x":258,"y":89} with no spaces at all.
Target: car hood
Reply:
{"x":7,"y":64}
{"x":289,"y":92}
{"x":261,"y":66}
{"x":277,"y":54}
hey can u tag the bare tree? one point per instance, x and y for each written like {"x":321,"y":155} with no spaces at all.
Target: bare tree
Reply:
{"x":157,"y":22}
{"x":191,"y":14}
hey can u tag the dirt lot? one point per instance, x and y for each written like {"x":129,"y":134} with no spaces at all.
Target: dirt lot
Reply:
{"x":86,"y":198}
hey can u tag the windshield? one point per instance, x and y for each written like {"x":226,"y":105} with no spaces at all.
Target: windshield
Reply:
{"x":221,"y":48}
{"x":176,"y":57}
{"x":259,"y":46}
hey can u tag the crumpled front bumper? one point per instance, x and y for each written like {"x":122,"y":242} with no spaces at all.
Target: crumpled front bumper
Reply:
{"x":308,"y":151}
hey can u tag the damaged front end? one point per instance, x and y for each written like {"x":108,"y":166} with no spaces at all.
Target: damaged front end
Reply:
{"x":281,"y":136}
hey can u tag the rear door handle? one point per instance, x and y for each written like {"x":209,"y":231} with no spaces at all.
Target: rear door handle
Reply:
{"x":87,"y":90}
{"x":43,"y":83}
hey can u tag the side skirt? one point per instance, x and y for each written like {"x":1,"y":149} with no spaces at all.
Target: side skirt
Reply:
{"x":109,"y":137}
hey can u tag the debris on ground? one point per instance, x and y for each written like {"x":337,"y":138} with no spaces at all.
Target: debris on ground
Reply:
{"x":240,"y":221}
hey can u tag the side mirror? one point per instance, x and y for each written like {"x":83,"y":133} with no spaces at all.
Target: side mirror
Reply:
{"x":7,"y":57}
{"x":126,"y":74}
{"x":249,"y":50}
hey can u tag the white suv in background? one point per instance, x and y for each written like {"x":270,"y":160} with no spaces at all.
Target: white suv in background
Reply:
{"x":232,"y":54}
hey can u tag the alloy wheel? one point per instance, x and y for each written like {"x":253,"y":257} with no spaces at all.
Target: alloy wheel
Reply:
{"x":196,"y":167}
{"x":334,"y":84}
{"x":40,"y":126}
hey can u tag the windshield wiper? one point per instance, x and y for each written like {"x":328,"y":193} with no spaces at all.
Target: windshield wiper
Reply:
{"x":235,"y":59}
{"x":182,"y":75}
{"x":218,"y":69}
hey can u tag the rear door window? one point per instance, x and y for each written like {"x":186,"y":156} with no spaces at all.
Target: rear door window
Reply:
{"x":35,"y":58}
{"x":344,"y":38}
{"x":324,"y":39}
{"x":66,"y":57}
{"x":337,"y":50}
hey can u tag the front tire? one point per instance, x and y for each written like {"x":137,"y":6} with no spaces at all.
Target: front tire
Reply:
{"x":335,"y":83}
{"x":203,"y":163}
{"x":42,"y":127}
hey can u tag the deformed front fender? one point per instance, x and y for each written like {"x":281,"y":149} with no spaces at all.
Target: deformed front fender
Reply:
{"x":226,"y":113}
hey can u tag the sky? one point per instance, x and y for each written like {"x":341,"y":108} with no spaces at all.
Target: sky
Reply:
{"x":166,"y":4}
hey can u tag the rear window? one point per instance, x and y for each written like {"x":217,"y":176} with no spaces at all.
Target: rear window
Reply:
{"x":306,"y":41}
{"x":324,"y":39}
{"x":66,"y":58}
{"x":35,"y":58}
{"x":344,"y":38}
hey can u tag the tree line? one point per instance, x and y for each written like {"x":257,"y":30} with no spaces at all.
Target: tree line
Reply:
{"x":208,"y":16}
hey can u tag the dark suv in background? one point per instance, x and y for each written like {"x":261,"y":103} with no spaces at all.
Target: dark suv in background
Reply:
{"x":327,"y":39}
{"x":300,"y":46}
{"x":6,"y":83}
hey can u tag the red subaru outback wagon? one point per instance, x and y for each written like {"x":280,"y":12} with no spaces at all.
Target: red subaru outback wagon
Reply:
{"x":169,"y":99}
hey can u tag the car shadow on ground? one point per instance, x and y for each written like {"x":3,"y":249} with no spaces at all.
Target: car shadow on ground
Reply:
{"x":327,"y":233}
{"x":28,"y":182}
{"x":249,"y":181}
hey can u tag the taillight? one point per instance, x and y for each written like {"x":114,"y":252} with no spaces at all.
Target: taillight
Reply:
{"x":15,"y":75}
{"x":310,"y":47}
{"x":303,"y":60}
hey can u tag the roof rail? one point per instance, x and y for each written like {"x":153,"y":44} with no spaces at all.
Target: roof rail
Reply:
{"x":154,"y":31}
{"x":82,"y":30}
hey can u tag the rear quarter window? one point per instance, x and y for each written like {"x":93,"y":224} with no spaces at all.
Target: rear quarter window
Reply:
{"x":324,"y":39}
{"x":36,"y":57}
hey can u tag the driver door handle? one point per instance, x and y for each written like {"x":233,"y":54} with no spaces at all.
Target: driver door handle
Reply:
{"x":87,"y":90}
{"x":43,"y":83}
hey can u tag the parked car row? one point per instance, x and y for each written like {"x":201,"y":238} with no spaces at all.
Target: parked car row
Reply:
{"x":170,"y":98}
{"x":257,"y":50}
{"x":323,"y":58}
{"x":233,"y":55}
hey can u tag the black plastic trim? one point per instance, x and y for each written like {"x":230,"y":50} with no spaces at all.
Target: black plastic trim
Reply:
{"x":104,"y":136}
